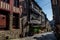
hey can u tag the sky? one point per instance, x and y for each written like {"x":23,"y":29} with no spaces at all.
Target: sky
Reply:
{"x":46,"y":7}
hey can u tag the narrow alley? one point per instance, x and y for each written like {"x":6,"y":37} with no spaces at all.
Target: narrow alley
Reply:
{"x":43,"y":36}
{"x":29,"y":20}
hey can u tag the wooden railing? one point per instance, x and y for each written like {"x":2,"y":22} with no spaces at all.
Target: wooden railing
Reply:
{"x":35,"y":21}
{"x":38,"y":11}
{"x":4,"y":5}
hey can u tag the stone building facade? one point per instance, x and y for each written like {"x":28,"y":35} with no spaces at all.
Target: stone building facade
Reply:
{"x":56,"y":12}
{"x":56,"y":17}
{"x":35,"y":16}
{"x":13,"y":18}
{"x":43,"y":22}
{"x":17,"y":17}
{"x":48,"y":26}
{"x":45,"y":25}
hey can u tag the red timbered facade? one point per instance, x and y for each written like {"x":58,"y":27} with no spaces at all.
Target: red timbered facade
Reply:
{"x":13,"y":18}
{"x":9,"y":10}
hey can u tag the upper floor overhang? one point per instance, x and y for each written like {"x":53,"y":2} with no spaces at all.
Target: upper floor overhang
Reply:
{"x":7,"y":7}
{"x":34,"y":22}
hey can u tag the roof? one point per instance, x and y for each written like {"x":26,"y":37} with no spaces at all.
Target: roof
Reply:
{"x":45,"y":16}
{"x":43,"y":13}
{"x":37,"y":4}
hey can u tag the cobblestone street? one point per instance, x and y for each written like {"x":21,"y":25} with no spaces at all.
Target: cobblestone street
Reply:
{"x":29,"y":19}
{"x":43,"y":36}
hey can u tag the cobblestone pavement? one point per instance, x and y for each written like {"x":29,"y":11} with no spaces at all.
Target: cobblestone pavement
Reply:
{"x":43,"y":36}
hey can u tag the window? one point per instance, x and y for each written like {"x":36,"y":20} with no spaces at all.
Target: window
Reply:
{"x":16,"y":3}
{"x":7,"y":1}
{"x":15,"y":21}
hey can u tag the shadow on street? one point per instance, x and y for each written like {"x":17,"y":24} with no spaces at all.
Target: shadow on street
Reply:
{"x":46,"y":37}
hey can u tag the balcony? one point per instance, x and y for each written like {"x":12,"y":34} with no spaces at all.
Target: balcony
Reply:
{"x":35,"y":22}
{"x":35,"y":8}
{"x":4,"y":6}
{"x":16,"y":10}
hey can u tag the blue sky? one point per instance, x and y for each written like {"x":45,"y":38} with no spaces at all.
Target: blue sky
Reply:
{"x":46,"y":7}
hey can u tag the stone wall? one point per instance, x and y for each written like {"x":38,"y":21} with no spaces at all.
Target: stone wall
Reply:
{"x":11,"y":34}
